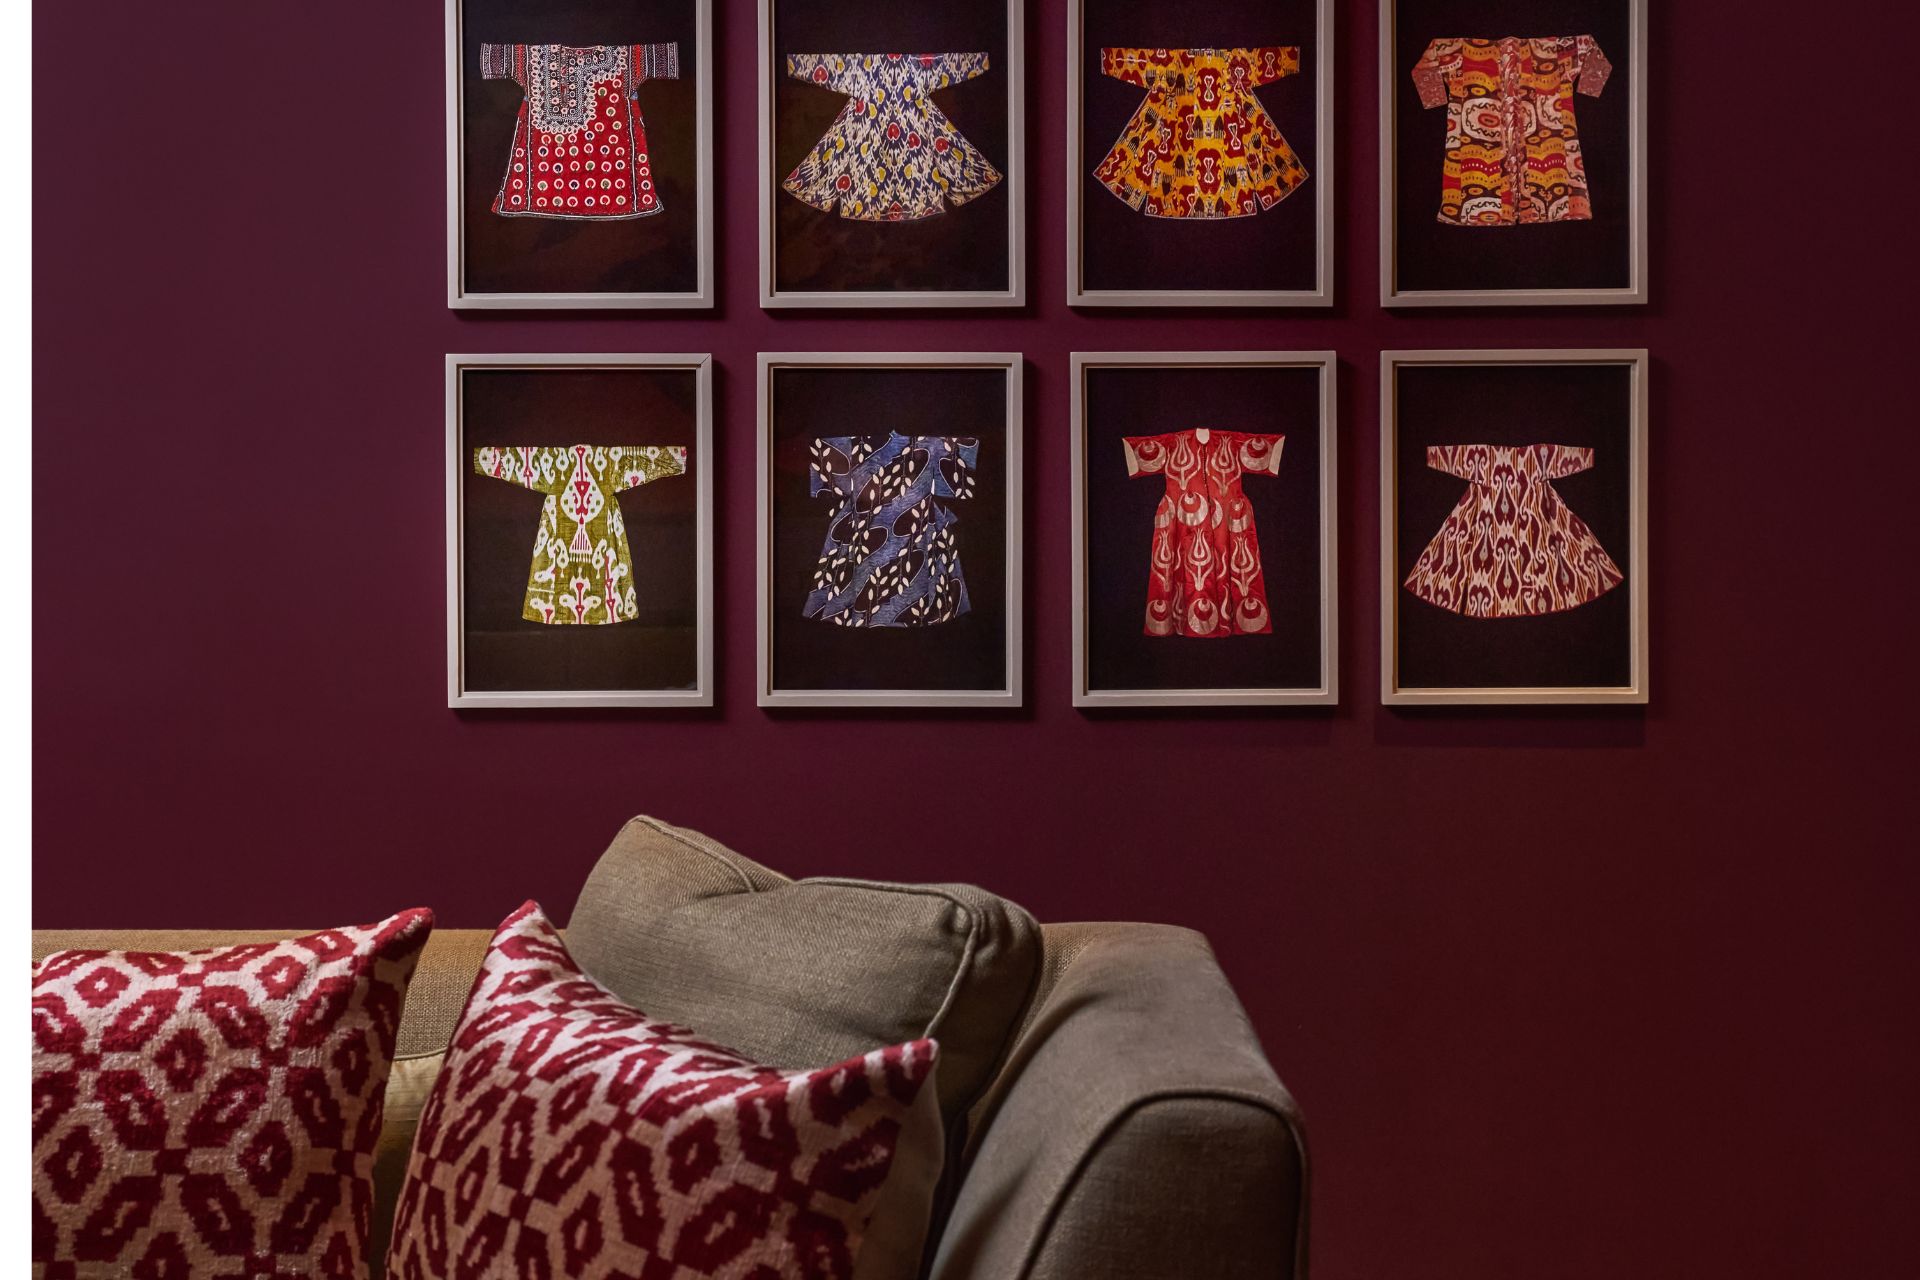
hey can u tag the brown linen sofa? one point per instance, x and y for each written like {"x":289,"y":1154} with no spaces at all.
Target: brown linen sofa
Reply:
{"x":1110,"y":1115}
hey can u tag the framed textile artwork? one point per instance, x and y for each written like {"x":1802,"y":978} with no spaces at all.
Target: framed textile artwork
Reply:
{"x":891,"y":169}
{"x":1199,"y":154}
{"x":579,"y":154}
{"x":889,"y":529}
{"x":579,"y":531}
{"x":1513,"y":152}
{"x":1204,"y":545}
{"x":1513,"y":527}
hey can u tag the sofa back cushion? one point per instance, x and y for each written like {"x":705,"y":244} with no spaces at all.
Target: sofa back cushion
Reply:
{"x":799,"y":972}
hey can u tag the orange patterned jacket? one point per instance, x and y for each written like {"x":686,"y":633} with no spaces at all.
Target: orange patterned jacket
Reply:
{"x":1513,"y":148}
{"x":1201,"y":145}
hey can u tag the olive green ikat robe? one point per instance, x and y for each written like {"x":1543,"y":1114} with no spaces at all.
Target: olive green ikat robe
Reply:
{"x":582,"y":571}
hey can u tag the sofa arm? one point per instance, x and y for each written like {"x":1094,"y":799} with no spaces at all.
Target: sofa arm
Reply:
{"x":1137,"y":1131}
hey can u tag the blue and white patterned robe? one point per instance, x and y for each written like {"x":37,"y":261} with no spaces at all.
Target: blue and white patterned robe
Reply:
{"x":891,"y":155}
{"x":890,"y":558}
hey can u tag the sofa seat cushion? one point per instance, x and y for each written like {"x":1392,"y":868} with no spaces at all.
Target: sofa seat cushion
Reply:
{"x":570,"y":1134}
{"x":795,"y":972}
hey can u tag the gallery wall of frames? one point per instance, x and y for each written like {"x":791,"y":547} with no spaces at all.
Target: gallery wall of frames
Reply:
{"x":889,"y":539}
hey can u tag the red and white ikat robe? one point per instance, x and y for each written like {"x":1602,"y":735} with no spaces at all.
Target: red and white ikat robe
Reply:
{"x":580,"y":144}
{"x":1510,"y":548}
{"x":1205,"y":579}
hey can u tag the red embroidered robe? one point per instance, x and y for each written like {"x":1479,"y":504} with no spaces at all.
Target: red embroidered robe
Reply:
{"x":579,"y":144}
{"x":1204,"y":578}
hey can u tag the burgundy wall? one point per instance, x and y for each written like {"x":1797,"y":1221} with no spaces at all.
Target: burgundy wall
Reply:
{"x":1563,"y":993}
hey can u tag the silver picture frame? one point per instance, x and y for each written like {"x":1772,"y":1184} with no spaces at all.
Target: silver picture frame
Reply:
{"x":1392,"y":692}
{"x":1634,"y":293}
{"x":459,"y":697}
{"x":1327,"y":691}
{"x":769,"y":363}
{"x":1015,"y":170}
{"x":460,"y":298}
{"x":1321,"y":180}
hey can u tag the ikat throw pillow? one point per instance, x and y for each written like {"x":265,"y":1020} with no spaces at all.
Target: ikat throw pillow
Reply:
{"x":571,"y":1137}
{"x":199,"y":1115}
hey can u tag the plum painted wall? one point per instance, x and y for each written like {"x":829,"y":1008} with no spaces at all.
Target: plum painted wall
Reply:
{"x":1564,"y":993}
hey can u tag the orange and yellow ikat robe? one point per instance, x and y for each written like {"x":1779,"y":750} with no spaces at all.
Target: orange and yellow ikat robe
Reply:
{"x":1201,"y":145}
{"x":1513,"y":148}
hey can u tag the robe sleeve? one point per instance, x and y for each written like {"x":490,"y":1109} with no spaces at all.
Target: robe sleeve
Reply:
{"x":826,"y":70}
{"x":1468,"y":461}
{"x":1558,"y":460}
{"x":656,"y":62}
{"x":1146,"y":455}
{"x":1270,"y":63}
{"x":1430,"y":74}
{"x":1146,"y":68}
{"x":1261,"y":452}
{"x":830,"y":463}
{"x":953,"y":470}
{"x":1594,"y":67}
{"x":533,"y":468}
{"x":635,"y":465}
{"x":938,"y":70}
{"x":504,"y":62}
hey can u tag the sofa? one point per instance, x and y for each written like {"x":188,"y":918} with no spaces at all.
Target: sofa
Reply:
{"x":1108,"y":1110}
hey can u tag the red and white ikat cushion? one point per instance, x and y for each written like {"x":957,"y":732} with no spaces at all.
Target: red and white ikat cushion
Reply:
{"x":571,"y":1137}
{"x":212,"y":1115}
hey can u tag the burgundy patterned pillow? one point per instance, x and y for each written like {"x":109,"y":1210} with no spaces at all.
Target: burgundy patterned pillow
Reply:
{"x":571,"y":1136}
{"x":199,"y":1115}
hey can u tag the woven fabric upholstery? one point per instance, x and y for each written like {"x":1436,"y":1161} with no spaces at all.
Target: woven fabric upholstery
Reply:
{"x":797,"y":972}
{"x":1222,"y":1178}
{"x":1136,"y":1131}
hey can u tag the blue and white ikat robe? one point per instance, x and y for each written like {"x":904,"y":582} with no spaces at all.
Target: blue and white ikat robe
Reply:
{"x":891,"y":557}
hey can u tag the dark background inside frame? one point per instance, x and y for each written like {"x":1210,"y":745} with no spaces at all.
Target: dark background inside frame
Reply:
{"x":1283,"y":400}
{"x":962,"y":248}
{"x":504,"y":652}
{"x":1122,"y":248}
{"x":968,"y":653}
{"x":658,"y":253}
{"x":1569,"y":404}
{"x":1432,"y":255}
